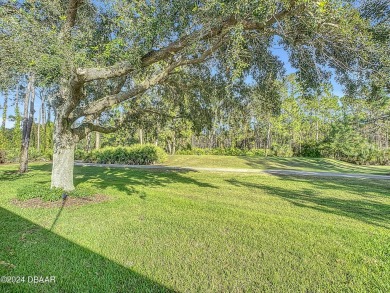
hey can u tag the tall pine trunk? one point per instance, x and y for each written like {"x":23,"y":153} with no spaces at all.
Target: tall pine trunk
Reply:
{"x":97,"y":140}
{"x":88,"y":139}
{"x":28,"y":119}
{"x":268,"y":145}
{"x":39,"y":127}
{"x":141,"y":136}
{"x":5,"y":107}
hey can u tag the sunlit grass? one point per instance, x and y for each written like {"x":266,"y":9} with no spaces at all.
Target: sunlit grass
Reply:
{"x":253,"y":162}
{"x":201,"y":232}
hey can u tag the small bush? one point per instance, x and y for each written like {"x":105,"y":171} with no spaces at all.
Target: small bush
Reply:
{"x":310,"y":150}
{"x":282,"y":151}
{"x":9,"y":156}
{"x":256,"y":152}
{"x":134,"y":155}
{"x":46,"y":193}
{"x":34,"y":155}
{"x":228,"y":152}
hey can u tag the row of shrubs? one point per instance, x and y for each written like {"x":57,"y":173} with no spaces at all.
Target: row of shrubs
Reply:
{"x":133,"y":155}
{"x":363,"y":156}
{"x":358,"y":153}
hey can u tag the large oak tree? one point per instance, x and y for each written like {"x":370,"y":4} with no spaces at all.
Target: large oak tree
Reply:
{"x":126,"y":48}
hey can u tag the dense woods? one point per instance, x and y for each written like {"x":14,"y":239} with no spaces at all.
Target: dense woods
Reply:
{"x":354,"y":129}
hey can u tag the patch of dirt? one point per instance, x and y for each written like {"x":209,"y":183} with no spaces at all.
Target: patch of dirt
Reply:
{"x":70,"y":201}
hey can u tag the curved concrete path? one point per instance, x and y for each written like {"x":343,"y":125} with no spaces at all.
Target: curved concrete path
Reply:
{"x":232,"y":170}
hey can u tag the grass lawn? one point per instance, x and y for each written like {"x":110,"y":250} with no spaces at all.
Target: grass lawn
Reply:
{"x":200,"y":232}
{"x":252,"y":162}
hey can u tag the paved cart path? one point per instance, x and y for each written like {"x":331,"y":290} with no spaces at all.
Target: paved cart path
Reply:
{"x":234,"y":170}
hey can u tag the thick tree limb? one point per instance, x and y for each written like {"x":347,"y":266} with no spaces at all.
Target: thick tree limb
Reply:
{"x":99,"y":106}
{"x":71,"y":14}
{"x":86,"y":127}
{"x":121,"y":69}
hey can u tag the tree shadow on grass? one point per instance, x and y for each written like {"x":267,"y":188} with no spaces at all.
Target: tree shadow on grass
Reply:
{"x":128,"y":180}
{"x":315,"y":164}
{"x":364,"y":209}
{"x":12,"y":174}
{"x":27,"y":249}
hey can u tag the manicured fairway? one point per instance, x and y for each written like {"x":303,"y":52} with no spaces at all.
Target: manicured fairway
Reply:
{"x":200,"y":232}
{"x":266,"y":163}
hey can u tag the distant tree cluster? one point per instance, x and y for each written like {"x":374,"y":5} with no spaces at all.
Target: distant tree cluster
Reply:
{"x":323,"y":125}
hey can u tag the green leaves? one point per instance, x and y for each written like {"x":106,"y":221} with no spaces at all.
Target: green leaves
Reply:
{"x":134,"y":155}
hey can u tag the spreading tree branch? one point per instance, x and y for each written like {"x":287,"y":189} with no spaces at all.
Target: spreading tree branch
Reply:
{"x":154,"y":56}
{"x":86,"y":127}
{"x":101,"y":105}
{"x":71,"y":14}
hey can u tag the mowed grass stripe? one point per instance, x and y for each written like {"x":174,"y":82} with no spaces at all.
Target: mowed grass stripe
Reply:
{"x":196,"y":231}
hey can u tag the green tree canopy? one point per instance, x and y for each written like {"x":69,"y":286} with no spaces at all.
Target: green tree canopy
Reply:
{"x":127,"y":48}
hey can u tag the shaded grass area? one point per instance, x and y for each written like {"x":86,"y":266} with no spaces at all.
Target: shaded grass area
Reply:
{"x":202,"y":232}
{"x":31,"y":250}
{"x":252,"y":162}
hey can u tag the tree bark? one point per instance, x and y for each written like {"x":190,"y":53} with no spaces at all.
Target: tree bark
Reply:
{"x":97,"y":141}
{"x":141,"y":138}
{"x":88,"y":142}
{"x":28,"y":119}
{"x":268,"y":139}
{"x":39,"y":127}
{"x":43,"y":136}
{"x":63,"y":155}
{"x":4,"y":111}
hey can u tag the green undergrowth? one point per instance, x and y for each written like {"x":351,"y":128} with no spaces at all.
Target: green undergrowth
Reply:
{"x":133,"y":155}
{"x":46,"y":193}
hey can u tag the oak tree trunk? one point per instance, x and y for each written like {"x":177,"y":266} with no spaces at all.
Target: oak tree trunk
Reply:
{"x":63,"y":155}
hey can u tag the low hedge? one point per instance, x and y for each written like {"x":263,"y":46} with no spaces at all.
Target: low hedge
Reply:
{"x":133,"y":155}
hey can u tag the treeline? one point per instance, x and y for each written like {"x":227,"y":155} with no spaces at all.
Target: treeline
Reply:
{"x":31,"y":137}
{"x":252,"y":122}
{"x":320,"y":124}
